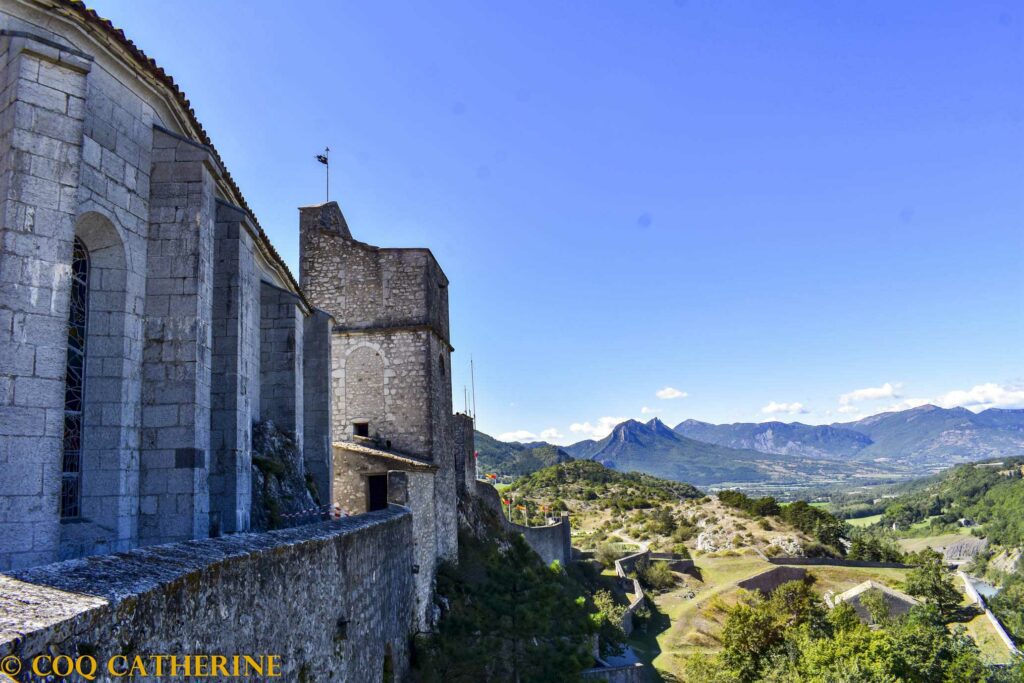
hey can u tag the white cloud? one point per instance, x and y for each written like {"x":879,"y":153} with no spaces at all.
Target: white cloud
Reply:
{"x":551,"y":434}
{"x":646,"y":411}
{"x":983,"y":396}
{"x":670,"y":393}
{"x":775,"y":408}
{"x":979,"y":397}
{"x":518,"y":435}
{"x":887,"y":390}
{"x":602,"y":428}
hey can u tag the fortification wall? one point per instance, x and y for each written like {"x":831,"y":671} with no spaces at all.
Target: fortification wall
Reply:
{"x":624,"y":566}
{"x":835,"y":562}
{"x":976,"y":598}
{"x":464,"y":445}
{"x":331,"y":599}
{"x":382,"y":378}
{"x":552,"y":542}
{"x":770,"y":579}
{"x":368,"y":287}
{"x":627,"y":673}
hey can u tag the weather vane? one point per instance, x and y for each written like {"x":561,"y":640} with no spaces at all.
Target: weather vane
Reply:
{"x":323,"y":159}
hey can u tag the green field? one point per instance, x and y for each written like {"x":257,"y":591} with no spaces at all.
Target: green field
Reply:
{"x":864,"y":521}
{"x":938,"y":542}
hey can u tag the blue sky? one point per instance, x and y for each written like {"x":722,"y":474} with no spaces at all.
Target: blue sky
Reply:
{"x":785,"y":210}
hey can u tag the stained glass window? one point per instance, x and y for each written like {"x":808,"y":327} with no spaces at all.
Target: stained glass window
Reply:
{"x":74,"y":382}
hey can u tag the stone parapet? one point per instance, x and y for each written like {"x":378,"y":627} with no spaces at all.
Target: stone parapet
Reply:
{"x":332,"y":600}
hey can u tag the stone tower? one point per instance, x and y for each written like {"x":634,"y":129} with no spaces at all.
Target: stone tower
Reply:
{"x":390,"y":379}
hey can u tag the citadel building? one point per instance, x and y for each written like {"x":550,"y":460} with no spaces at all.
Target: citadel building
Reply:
{"x":146,"y":325}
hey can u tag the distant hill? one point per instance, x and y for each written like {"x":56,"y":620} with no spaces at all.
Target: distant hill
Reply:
{"x":655,"y":448}
{"x":895,"y":444}
{"x":933,"y":436}
{"x":512,"y":459}
{"x":926,"y":436}
{"x":815,"y":441}
{"x":589,"y":480}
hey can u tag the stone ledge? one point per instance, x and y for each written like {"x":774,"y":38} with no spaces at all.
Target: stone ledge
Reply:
{"x":42,"y":597}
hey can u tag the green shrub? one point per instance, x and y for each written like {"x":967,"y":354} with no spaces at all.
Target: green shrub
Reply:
{"x":655,"y":575}
{"x":607,"y":554}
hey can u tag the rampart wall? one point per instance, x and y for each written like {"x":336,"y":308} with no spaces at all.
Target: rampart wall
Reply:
{"x":770,"y":579}
{"x":331,"y":599}
{"x":835,"y":562}
{"x":552,"y":542}
{"x":627,"y":673}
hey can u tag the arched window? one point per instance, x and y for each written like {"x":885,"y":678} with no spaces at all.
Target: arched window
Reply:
{"x":74,"y":382}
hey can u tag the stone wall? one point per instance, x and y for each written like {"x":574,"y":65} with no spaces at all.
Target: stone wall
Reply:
{"x":975,"y":598}
{"x":41,"y":123}
{"x":381,"y":378}
{"x":627,"y":673}
{"x":367,"y":287}
{"x":464,"y":445}
{"x":390,"y":350}
{"x":235,"y":403}
{"x":97,"y":146}
{"x":417,"y":490}
{"x":835,"y":562}
{"x":316,"y":402}
{"x":330,"y":599}
{"x":552,"y":542}
{"x":770,"y":579}
{"x":281,"y":350}
{"x":624,"y":567}
{"x":177,"y":357}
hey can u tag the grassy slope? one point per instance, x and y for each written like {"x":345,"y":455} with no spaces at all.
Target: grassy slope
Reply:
{"x":864,"y":521}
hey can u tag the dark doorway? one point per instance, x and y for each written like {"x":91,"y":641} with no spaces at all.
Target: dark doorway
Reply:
{"x":376,"y":492}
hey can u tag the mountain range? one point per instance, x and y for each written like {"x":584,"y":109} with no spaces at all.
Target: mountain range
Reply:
{"x":927,"y":436}
{"x":886,"y":446}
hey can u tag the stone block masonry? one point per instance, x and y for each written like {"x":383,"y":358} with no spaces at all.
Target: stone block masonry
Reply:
{"x":146,"y":324}
{"x":101,"y":157}
{"x":316,"y":402}
{"x":390,"y":375}
{"x":281,"y":350}
{"x":241,"y":594}
{"x":235,"y":400}
{"x":41,"y":128}
{"x":354,"y":465}
{"x":178,"y":347}
{"x":390,"y":346}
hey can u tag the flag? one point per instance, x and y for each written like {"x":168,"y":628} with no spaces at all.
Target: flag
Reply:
{"x":506,"y":502}
{"x":521,"y":507}
{"x":492,"y":476}
{"x":322,"y":158}
{"x":476,"y":454}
